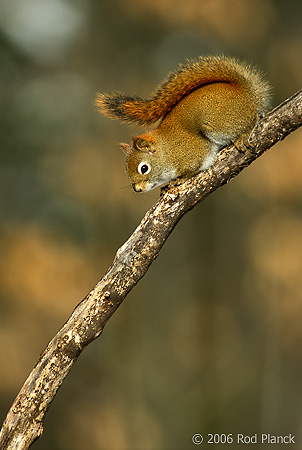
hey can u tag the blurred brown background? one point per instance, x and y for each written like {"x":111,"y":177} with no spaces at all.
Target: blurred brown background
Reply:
{"x":210,"y":340}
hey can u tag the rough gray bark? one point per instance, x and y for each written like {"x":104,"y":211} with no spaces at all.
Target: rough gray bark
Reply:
{"x":24,"y":421}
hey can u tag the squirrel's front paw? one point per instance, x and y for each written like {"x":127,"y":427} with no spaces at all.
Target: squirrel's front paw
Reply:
{"x":172,"y":183}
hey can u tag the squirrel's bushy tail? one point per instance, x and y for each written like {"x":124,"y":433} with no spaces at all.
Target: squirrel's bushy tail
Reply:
{"x":185,"y":79}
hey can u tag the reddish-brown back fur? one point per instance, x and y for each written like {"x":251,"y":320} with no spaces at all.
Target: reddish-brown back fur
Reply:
{"x":187,"y":78}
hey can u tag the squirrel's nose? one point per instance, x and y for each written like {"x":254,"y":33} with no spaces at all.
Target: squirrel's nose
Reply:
{"x":136,"y":188}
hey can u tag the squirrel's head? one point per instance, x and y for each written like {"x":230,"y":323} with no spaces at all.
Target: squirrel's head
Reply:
{"x":144,"y":163}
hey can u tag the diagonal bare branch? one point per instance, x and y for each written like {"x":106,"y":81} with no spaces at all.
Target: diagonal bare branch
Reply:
{"x":24,"y":421}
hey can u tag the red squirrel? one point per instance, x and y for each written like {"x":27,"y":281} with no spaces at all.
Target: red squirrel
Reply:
{"x":205,"y":105}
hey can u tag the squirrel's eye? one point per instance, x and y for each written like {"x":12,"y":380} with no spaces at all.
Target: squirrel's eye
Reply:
{"x":144,"y":168}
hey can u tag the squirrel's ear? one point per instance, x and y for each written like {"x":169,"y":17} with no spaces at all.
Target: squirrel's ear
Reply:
{"x":143,"y":143}
{"x":126,"y":148}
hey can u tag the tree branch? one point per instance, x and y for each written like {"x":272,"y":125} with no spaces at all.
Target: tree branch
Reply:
{"x":24,"y":421}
